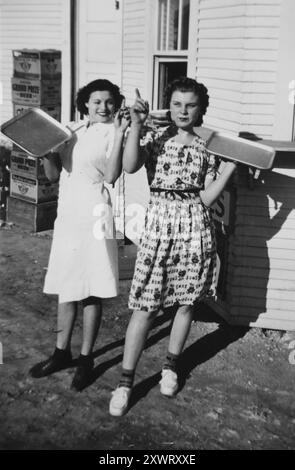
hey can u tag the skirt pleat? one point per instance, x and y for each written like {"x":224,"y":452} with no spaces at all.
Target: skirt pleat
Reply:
{"x":176,"y":261}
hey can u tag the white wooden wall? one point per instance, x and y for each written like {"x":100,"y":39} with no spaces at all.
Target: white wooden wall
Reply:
{"x":135,"y":74}
{"x":137,"y":38}
{"x":99,"y":41}
{"x":237,"y":59}
{"x":284,"y":127}
{"x":36,"y":24}
{"x":261,"y":279}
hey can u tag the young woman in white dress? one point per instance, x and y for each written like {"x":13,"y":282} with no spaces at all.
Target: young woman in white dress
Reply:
{"x":83,"y":264}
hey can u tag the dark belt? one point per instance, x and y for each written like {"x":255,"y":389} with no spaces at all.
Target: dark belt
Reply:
{"x":183,"y":193}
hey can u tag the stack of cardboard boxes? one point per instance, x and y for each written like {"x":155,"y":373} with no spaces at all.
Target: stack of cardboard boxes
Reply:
{"x":36,"y":82}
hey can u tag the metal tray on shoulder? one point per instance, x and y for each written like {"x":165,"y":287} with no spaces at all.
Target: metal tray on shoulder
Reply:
{"x":245,"y":151}
{"x":35,"y":132}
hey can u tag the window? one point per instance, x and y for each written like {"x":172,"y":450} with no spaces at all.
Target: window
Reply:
{"x":173,"y":21}
{"x":171,"y":53}
{"x":167,"y":69}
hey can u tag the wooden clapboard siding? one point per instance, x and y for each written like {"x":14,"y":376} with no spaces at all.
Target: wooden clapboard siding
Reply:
{"x":256,"y":211}
{"x":254,"y":235}
{"x":134,"y":47}
{"x":260,"y":262}
{"x":237,"y":56}
{"x":273,"y":243}
{"x":273,"y":295}
{"x":246,"y":316}
{"x":33,"y":24}
{"x":272,"y":284}
{"x":257,"y":273}
{"x":261,"y":222}
{"x":260,"y":285}
{"x":134,"y":75}
{"x":273,"y":315}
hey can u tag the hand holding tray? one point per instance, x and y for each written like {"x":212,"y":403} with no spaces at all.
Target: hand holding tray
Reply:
{"x":35,"y":132}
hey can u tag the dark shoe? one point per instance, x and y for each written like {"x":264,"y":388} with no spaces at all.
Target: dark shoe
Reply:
{"x":83,"y":373}
{"x":59,"y":360}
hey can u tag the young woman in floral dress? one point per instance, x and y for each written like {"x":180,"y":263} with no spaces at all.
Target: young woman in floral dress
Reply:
{"x":176,"y":260}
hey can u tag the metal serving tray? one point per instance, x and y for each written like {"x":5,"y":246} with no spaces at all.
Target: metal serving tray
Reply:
{"x":35,"y":132}
{"x":280,"y":145}
{"x":249,"y":152}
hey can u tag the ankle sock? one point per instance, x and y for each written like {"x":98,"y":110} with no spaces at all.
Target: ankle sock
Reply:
{"x":171,"y":361}
{"x":127,"y":378}
{"x":86,"y":361}
{"x":62,"y":353}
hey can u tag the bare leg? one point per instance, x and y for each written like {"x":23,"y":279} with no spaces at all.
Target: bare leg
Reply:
{"x":180,"y":329}
{"x":179,"y":333}
{"x":136,"y":335}
{"x":92,"y":311}
{"x":66,"y":316}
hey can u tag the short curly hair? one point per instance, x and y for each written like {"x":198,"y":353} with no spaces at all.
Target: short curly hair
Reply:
{"x":189,"y":84}
{"x":84,"y":93}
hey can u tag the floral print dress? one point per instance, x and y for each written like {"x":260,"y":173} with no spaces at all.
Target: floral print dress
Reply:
{"x":176,"y":260}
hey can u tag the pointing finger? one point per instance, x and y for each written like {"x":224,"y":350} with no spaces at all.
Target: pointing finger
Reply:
{"x":123,"y":104}
{"x":137,"y":93}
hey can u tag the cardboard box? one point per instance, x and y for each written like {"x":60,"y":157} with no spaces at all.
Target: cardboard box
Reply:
{"x":53,"y":110}
{"x":32,"y":189}
{"x":33,"y":217}
{"x":20,"y":162}
{"x":37,"y":64}
{"x":35,"y":92}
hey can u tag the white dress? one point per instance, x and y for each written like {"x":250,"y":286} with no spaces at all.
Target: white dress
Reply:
{"x":83,"y":260}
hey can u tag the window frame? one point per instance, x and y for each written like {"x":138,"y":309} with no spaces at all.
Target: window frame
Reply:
{"x":158,"y":60}
{"x":188,"y":55}
{"x":179,"y":28}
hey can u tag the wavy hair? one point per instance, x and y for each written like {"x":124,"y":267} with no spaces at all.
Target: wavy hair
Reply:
{"x":189,"y":84}
{"x":84,"y":93}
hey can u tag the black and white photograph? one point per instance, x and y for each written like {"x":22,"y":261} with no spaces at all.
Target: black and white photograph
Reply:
{"x":147,"y":228}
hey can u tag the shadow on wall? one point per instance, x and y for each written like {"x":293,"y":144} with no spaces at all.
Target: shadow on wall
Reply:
{"x":261,"y":260}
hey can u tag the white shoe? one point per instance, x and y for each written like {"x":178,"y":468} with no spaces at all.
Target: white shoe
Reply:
{"x":119,"y":401}
{"x":168,"y":383}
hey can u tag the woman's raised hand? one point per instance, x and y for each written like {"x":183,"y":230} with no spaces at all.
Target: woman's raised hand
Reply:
{"x":122,"y":117}
{"x":140,"y":110}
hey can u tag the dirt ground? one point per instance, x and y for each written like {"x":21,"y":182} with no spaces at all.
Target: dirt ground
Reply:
{"x":237,"y":385}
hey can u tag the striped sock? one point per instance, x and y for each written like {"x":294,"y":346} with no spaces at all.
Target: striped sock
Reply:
{"x":127,"y":378}
{"x":171,"y":361}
